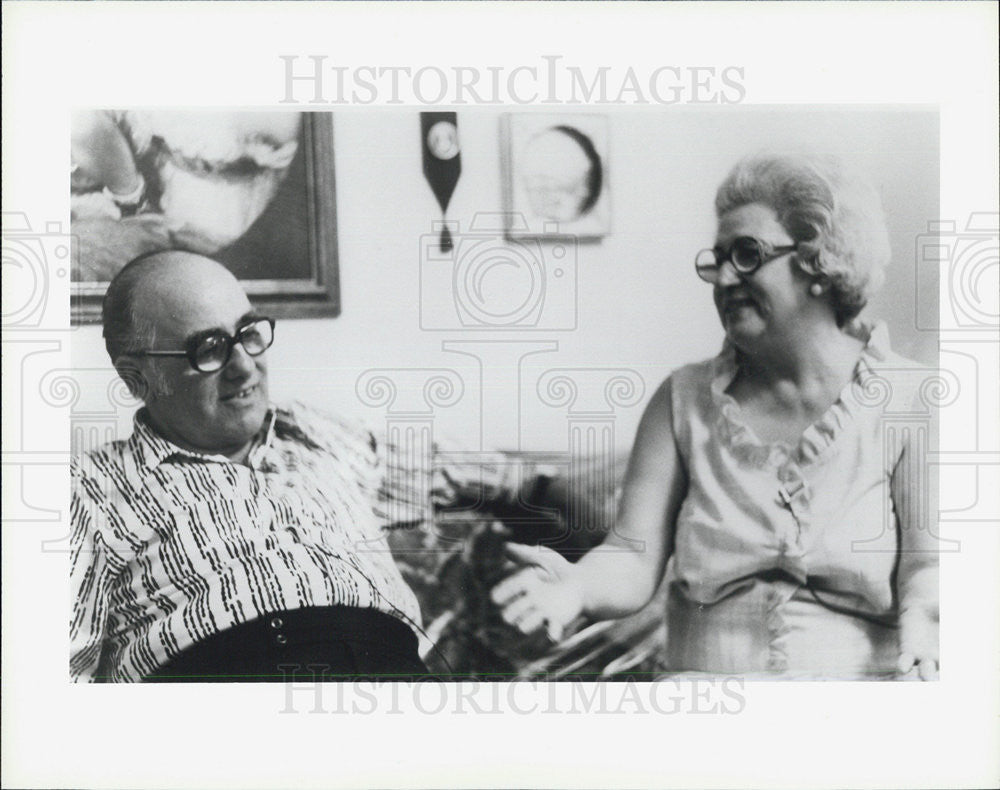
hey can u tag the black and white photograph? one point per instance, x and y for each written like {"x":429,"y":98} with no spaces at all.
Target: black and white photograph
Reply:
{"x":571,"y":420}
{"x":769,"y":519}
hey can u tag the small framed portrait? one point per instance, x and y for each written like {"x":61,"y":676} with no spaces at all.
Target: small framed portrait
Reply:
{"x":253,"y":190}
{"x":556,"y":175}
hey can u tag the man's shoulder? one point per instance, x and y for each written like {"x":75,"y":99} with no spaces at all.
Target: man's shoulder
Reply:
{"x":94,"y":460}
{"x":324,"y":427}
{"x":102,"y":469}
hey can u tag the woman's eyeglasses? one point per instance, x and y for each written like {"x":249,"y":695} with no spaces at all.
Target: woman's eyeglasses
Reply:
{"x":746,"y":253}
{"x":209,"y":351}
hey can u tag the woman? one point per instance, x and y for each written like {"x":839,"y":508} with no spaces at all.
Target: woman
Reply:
{"x":790,"y":508}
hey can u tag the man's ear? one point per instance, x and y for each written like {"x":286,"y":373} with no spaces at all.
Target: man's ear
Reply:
{"x":136,"y":381}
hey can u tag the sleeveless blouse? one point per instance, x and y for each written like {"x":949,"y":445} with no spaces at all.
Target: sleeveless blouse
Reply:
{"x":760,"y":519}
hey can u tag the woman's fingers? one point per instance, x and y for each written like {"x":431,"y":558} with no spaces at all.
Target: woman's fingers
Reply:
{"x":519,"y":607}
{"x":540,"y":563}
{"x":928,"y":668}
{"x":535,"y":596}
{"x":554,"y":629}
{"x":923,"y":667}
{"x":531,"y":621}
{"x":512,"y":587}
{"x":522,"y":553}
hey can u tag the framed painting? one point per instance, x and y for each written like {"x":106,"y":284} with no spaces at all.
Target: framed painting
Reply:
{"x":253,"y":190}
{"x":556,"y":175}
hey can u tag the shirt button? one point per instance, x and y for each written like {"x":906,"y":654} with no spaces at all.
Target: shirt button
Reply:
{"x":281,"y":639}
{"x":277,"y":622}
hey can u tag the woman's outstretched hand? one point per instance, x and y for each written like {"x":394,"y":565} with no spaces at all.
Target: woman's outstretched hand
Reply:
{"x":918,"y":644}
{"x":545,"y":592}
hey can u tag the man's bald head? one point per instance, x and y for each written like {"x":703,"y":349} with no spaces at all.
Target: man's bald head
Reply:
{"x":163,"y":303}
{"x":164,"y":275}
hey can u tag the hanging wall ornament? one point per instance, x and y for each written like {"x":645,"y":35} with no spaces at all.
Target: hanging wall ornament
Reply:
{"x":442,"y":160}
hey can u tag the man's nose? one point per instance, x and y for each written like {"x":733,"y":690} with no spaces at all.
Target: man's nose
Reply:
{"x":240,"y":362}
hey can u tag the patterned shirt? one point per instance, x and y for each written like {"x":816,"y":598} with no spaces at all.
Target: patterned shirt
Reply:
{"x":171,"y":546}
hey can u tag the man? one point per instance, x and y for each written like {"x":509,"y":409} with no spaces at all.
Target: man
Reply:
{"x":227,"y":539}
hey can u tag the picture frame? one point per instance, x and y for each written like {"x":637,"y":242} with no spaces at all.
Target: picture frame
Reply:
{"x":284,"y":253}
{"x":556,"y":175}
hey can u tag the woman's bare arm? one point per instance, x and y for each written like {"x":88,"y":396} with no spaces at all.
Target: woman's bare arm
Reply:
{"x":619,"y":576}
{"x":914,"y":490}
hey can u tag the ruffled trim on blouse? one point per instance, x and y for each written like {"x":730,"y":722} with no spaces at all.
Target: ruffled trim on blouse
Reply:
{"x":822,"y":434}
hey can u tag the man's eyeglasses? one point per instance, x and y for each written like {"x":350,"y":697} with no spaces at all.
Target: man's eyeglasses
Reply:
{"x":209,"y":351}
{"x":746,"y":253}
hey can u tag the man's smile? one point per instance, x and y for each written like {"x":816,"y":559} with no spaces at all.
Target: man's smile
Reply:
{"x":241,"y":395}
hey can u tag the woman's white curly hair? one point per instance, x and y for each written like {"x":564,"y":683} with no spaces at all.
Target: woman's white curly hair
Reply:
{"x":834,"y":215}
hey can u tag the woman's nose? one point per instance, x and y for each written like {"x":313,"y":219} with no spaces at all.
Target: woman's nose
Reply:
{"x":727,"y":275}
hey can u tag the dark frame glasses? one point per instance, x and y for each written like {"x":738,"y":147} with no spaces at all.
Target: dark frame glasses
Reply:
{"x":746,"y":253}
{"x":210,"y":351}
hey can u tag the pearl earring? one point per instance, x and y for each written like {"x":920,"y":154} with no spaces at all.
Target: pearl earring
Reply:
{"x":816,"y":289}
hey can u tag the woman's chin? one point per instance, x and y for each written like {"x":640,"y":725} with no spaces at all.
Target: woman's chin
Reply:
{"x":742,"y":325}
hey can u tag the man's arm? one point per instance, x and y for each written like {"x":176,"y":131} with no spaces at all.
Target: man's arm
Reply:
{"x":541,"y":497}
{"x":93,"y":567}
{"x":420,"y":476}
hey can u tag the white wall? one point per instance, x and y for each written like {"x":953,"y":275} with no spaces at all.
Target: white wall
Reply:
{"x":640,"y":305}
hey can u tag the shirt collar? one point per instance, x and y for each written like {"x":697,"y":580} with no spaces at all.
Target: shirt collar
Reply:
{"x":150,"y":449}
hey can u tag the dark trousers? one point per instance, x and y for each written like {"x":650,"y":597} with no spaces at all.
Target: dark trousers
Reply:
{"x":315,"y":643}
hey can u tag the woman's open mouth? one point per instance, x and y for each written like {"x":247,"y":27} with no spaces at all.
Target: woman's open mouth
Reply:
{"x":735,"y":304}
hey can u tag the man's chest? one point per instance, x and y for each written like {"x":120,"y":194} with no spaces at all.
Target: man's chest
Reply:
{"x":229,"y":504}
